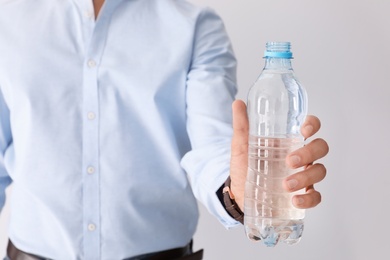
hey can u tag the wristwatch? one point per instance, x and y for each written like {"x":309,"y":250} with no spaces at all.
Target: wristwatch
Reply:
{"x":230,"y":204}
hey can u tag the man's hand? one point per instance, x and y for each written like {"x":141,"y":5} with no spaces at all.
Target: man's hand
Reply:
{"x":305,"y":156}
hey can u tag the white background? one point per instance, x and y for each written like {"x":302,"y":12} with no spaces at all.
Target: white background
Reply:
{"x":342,"y":55}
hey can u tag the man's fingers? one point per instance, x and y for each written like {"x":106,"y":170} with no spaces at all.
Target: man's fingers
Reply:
{"x":314,"y":150}
{"x":308,"y":200}
{"x":311,"y":126}
{"x":306,"y":178}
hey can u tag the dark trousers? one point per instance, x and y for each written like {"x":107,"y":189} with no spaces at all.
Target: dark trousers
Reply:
{"x":182,"y":253}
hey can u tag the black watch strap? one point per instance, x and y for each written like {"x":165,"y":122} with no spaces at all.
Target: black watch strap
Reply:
{"x":230,"y":204}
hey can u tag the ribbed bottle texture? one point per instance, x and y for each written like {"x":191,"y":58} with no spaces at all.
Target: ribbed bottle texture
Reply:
{"x":277,"y":106}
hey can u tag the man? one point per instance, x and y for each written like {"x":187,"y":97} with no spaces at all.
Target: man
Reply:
{"x":105,"y":108}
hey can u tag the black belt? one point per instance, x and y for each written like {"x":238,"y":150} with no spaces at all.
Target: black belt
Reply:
{"x":182,"y":253}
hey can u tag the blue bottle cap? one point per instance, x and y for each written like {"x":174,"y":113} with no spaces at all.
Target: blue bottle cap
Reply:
{"x":278,"y":50}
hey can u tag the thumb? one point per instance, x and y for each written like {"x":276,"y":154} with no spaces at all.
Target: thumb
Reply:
{"x":240,"y":129}
{"x":239,"y":151}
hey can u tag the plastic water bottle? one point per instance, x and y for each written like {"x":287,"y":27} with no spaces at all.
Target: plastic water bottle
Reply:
{"x":277,"y":106}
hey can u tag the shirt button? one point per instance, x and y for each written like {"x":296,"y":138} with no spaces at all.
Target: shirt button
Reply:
{"x":90,"y":170}
{"x":91,"y":227}
{"x":91,"y":63}
{"x":91,"y":115}
{"x":89,"y":15}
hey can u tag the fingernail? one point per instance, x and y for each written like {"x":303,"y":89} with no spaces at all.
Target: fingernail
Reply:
{"x":309,"y":129}
{"x":295,"y":159}
{"x":292,"y":183}
{"x":298,"y":201}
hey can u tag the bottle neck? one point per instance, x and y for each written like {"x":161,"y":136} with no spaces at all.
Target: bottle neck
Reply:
{"x":277,"y":64}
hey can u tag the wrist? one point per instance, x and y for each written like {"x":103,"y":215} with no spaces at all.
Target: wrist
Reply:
{"x":231,"y":205}
{"x":237,"y":194}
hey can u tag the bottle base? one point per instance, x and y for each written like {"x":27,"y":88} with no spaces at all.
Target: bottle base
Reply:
{"x":270,"y":232}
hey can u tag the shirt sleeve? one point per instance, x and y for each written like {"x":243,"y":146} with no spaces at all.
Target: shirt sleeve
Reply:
{"x":5,"y":140}
{"x":211,"y":88}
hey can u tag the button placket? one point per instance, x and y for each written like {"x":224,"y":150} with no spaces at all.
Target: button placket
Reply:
{"x":95,"y":35}
{"x":91,"y":153}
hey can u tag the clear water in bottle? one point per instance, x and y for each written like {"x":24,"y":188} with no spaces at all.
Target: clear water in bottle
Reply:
{"x":277,"y":106}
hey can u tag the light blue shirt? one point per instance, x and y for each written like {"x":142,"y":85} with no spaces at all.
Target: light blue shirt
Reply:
{"x":110,"y":127}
